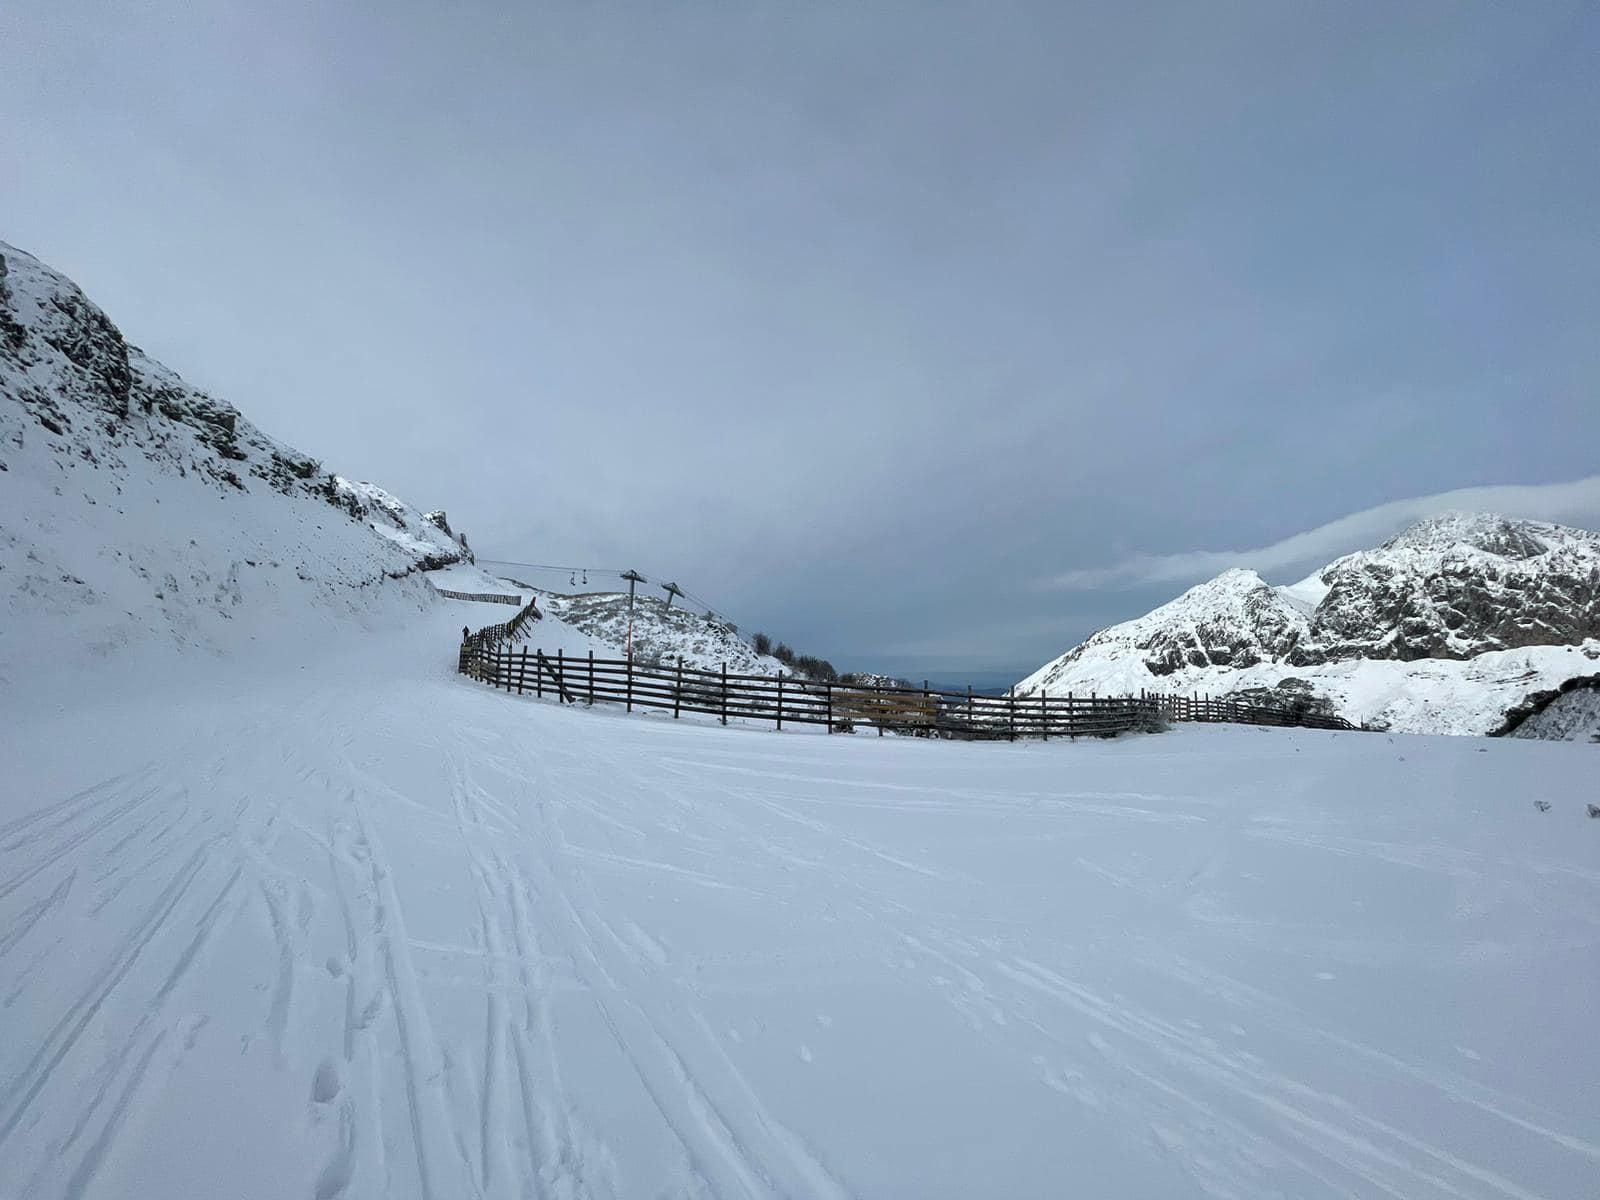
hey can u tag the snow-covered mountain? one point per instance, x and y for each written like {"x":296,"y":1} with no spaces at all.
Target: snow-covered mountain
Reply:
{"x":134,"y":507}
{"x":1443,"y":628}
{"x":660,"y":634}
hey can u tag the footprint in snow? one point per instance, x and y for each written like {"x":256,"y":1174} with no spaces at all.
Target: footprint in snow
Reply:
{"x":326,"y":1084}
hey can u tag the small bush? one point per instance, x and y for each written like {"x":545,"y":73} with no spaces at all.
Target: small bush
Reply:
{"x":761,"y":643}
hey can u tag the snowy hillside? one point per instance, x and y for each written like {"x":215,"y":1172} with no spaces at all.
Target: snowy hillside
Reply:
{"x":1573,"y":717}
{"x":660,"y":634}
{"x":1442,"y":629}
{"x":135,"y":509}
{"x":1571,"y":714}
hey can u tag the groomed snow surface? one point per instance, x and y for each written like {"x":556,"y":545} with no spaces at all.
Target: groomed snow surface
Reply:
{"x":345,"y":924}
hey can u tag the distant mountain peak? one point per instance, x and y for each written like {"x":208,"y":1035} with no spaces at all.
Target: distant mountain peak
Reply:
{"x":1489,"y":532}
{"x":1451,"y":588}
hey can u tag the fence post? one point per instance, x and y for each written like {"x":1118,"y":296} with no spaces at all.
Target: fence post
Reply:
{"x":829,"y":686}
{"x":1011,"y":708}
{"x":877,"y":695}
{"x":780,"y":699}
{"x":538,"y":676}
{"x":1072,"y":718}
{"x":1044,"y":715}
{"x":591,"y":679}
{"x":561,"y":676}
{"x":630,"y":678}
{"x":677,"y":692}
{"x":969,"y":709}
{"x":724,"y":693}
{"x":522,"y":672}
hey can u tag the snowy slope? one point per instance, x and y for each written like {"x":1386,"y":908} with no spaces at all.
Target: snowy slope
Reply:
{"x":350,"y":926}
{"x":660,"y":633}
{"x":1572,"y":716}
{"x":1442,"y":629}
{"x":136,"y":511}
{"x":597,"y":622}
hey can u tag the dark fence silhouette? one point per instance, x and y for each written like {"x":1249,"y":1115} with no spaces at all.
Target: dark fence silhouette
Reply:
{"x":481,"y":597}
{"x":494,"y":656}
{"x":1241,"y":712}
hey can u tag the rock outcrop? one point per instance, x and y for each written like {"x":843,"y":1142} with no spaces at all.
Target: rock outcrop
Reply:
{"x":1444,"y":627}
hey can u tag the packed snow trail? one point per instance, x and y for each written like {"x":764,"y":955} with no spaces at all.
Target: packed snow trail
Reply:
{"x":362,"y":928}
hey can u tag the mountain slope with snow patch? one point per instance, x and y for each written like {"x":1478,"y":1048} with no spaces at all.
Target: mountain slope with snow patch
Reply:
{"x":1443,"y":629}
{"x":660,"y":634}
{"x":137,"y":510}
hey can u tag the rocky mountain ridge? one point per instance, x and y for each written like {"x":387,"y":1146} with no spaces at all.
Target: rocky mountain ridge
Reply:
{"x":132,"y":503}
{"x":1482,"y":600}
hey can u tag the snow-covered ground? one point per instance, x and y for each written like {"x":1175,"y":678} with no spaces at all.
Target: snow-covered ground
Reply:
{"x":345,"y":924}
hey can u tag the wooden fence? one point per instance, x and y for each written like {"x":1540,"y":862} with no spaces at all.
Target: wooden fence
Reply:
{"x":785,"y":700}
{"x":481,"y":597}
{"x":493,"y":656}
{"x":1238,"y":712}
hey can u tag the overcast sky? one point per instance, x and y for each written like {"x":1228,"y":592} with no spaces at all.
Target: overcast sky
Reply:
{"x":928,"y":337}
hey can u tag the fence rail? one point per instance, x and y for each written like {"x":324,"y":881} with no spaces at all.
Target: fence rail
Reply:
{"x":494,"y":656}
{"x":481,"y":597}
{"x":1239,"y":712}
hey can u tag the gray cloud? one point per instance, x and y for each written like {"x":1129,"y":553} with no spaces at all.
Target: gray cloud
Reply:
{"x":1575,"y":503}
{"x":857,"y":320}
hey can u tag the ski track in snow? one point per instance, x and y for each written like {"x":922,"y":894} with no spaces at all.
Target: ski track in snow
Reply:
{"x":394,"y":935}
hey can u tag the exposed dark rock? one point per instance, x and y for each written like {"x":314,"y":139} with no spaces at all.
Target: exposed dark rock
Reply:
{"x":1537,"y":702}
{"x":70,"y":372}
